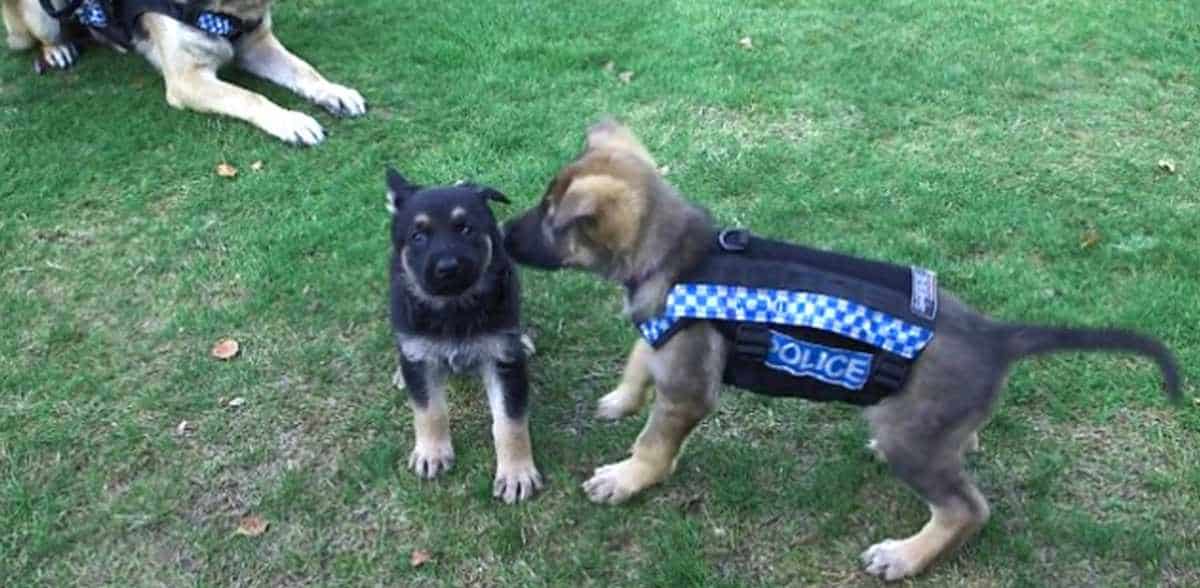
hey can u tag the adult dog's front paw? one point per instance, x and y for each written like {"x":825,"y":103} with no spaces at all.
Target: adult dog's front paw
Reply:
{"x":617,"y":482}
{"x":57,"y":57}
{"x":516,"y":482}
{"x":294,"y":127}
{"x":889,"y":560}
{"x":430,"y":460}
{"x":340,"y":100}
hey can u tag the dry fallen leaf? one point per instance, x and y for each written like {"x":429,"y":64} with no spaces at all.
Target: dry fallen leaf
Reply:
{"x":226,"y":349}
{"x":1089,"y":239}
{"x":257,"y":165}
{"x":625,"y":77}
{"x":746,"y":43}
{"x":252,"y":526}
{"x":420,"y":557}
{"x":184,"y":427}
{"x":236,"y":402}
{"x":1166,"y":165}
{"x":225,"y":170}
{"x":610,"y":66}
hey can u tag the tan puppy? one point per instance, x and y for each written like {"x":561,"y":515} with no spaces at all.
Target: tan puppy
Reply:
{"x":189,"y":57}
{"x":611,"y":212}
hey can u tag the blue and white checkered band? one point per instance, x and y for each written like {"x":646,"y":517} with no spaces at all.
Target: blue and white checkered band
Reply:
{"x":214,"y":24}
{"x":840,"y":367}
{"x":91,"y":14}
{"x":785,"y":307}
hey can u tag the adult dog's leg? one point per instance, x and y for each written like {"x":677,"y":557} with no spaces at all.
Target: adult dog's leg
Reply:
{"x":433,"y":453}
{"x":25,"y":19}
{"x":261,"y":54}
{"x":507,"y":386}
{"x":631,"y":393}
{"x":189,"y":66}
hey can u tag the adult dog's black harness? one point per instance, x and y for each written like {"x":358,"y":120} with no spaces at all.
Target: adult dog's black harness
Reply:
{"x":116,"y":20}
{"x":805,"y":322}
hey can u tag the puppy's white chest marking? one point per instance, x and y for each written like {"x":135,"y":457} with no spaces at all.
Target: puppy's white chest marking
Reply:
{"x":457,"y":354}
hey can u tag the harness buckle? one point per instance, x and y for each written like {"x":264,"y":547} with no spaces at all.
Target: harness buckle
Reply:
{"x":733,"y":240}
{"x":752,"y":341}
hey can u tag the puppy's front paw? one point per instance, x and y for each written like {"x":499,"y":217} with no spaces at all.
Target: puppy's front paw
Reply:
{"x":57,"y":57}
{"x":617,"y":482}
{"x":516,"y":482}
{"x":619,"y":403}
{"x":340,"y":100}
{"x":888,"y":560}
{"x":294,"y":127}
{"x":431,"y":460}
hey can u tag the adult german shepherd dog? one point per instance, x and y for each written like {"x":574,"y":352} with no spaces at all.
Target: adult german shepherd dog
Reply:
{"x":456,"y":304}
{"x":611,"y":212}
{"x":169,"y":34}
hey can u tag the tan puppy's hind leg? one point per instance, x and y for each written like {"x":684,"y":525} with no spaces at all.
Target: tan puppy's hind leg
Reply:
{"x":631,"y":395}
{"x":947,"y":528}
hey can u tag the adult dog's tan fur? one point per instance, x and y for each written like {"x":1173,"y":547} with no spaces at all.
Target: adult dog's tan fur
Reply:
{"x":611,"y":212}
{"x":188,"y":60}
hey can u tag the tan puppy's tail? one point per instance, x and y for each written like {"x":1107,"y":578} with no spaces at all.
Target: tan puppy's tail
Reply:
{"x":1024,"y":340}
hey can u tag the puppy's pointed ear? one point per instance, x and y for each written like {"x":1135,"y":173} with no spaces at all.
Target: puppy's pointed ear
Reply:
{"x":492,"y":194}
{"x":608,"y":134}
{"x":399,"y":189}
{"x":574,"y":208}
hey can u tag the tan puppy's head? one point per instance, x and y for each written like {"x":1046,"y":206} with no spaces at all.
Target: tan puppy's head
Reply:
{"x":593,"y":211}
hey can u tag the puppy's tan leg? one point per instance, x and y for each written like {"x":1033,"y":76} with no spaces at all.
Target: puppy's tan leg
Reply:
{"x":433,"y":453}
{"x":951,"y":524}
{"x":25,"y":19}
{"x":655,"y":451}
{"x":261,"y":54}
{"x":517,"y":478}
{"x":631,"y":394}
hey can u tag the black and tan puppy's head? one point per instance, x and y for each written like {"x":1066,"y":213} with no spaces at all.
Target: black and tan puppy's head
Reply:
{"x":592,"y":214}
{"x":445,"y":238}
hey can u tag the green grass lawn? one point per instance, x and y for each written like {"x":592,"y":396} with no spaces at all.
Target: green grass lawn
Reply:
{"x":1014,"y":147}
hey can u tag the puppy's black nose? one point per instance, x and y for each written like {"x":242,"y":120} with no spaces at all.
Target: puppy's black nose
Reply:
{"x":446,"y":267}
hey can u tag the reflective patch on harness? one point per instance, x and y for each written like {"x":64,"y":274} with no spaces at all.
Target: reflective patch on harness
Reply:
{"x":840,"y":367}
{"x":924,"y":302}
{"x":785,"y":307}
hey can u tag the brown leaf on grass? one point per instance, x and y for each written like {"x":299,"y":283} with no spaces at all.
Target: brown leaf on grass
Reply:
{"x":746,"y":43}
{"x":257,"y":165}
{"x":252,"y":526}
{"x":1089,"y":239}
{"x":420,"y":557}
{"x":236,"y":402}
{"x":1166,"y":165}
{"x":184,"y":428}
{"x":225,"y":170}
{"x":226,"y":349}
{"x":625,"y":77}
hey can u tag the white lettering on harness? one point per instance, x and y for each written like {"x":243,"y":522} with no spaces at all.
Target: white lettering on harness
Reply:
{"x":840,"y":367}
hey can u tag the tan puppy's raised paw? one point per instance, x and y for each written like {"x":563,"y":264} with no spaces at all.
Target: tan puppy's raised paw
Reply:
{"x":620,"y":403}
{"x":430,"y":460}
{"x":58,"y":56}
{"x":517,"y":482}
{"x":616,"y":483}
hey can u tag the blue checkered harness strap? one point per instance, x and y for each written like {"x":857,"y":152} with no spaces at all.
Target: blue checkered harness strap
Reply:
{"x":785,"y":307}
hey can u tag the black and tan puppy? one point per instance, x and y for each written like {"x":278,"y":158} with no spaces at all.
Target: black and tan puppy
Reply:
{"x":610,"y":212}
{"x":187,"y":41}
{"x":455,"y":304}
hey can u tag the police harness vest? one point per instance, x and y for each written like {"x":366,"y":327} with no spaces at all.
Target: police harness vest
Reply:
{"x":805,"y":322}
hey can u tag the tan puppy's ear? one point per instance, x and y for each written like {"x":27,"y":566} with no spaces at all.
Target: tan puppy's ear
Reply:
{"x":608,"y":134}
{"x":574,"y":207}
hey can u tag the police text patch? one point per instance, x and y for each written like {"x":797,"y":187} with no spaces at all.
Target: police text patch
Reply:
{"x":924,"y":293}
{"x":840,"y":367}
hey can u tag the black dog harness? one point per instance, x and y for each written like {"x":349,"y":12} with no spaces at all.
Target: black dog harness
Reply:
{"x":115,"y":20}
{"x":804,"y":322}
